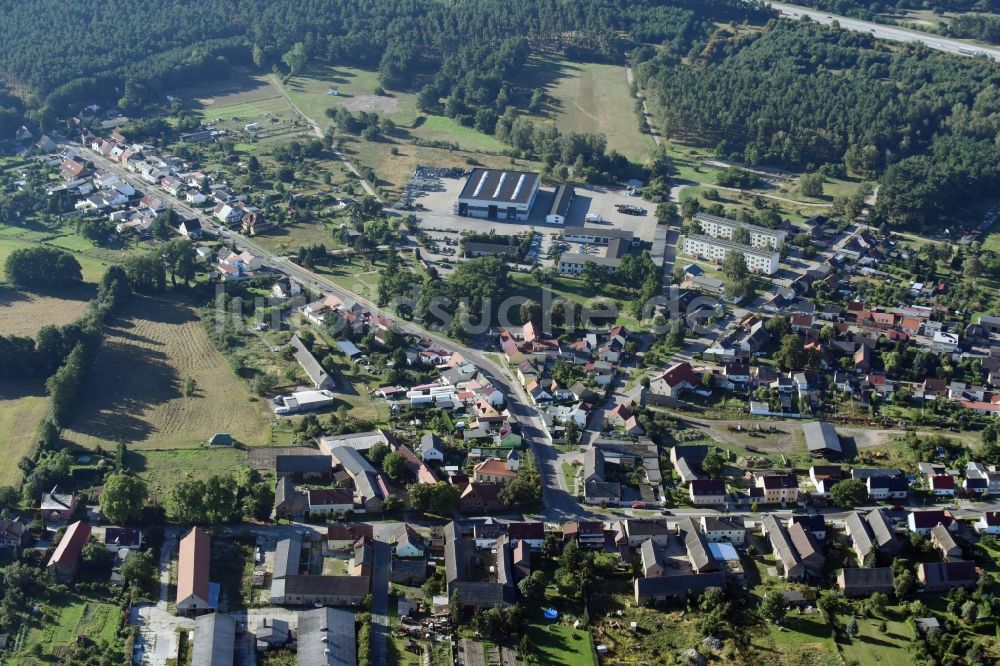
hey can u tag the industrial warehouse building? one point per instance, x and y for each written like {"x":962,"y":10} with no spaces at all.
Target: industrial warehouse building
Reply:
{"x":716,"y":249}
{"x":724,"y":228}
{"x":499,"y":195}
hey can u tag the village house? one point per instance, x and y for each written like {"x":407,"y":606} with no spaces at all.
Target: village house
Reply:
{"x":779,"y":488}
{"x":719,"y":529}
{"x":493,"y":470}
{"x":588,"y":534}
{"x":922,"y":522}
{"x":13,"y":533}
{"x":988,"y":523}
{"x":57,"y":506}
{"x":707,"y":492}
{"x":945,"y":543}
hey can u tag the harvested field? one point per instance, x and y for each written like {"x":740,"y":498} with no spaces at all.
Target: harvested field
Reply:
{"x":135,"y":391}
{"x":22,"y":406}
{"x":23,"y":313}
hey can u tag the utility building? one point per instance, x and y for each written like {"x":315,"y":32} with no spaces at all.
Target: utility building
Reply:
{"x":499,"y":195}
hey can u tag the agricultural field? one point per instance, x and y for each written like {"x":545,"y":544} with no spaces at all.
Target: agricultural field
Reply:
{"x":594,"y":98}
{"x":135,"y":393}
{"x":23,"y":313}
{"x":22,"y":406}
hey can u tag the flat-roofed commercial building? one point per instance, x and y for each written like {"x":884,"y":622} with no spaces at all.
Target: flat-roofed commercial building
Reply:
{"x":573,"y":263}
{"x":716,"y":249}
{"x":498,"y":194}
{"x":723,"y":227}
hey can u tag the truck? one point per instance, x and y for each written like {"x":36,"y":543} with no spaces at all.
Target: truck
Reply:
{"x":303,"y":401}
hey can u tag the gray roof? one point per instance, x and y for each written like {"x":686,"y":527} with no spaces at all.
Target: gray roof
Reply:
{"x":430,"y":442}
{"x":593,"y":464}
{"x":562,"y":200}
{"x":680,"y":585}
{"x":942,"y":538}
{"x":505,"y":563}
{"x":957,"y":573}
{"x":214,"y":640}
{"x":821,"y":436}
{"x":326,"y":638}
{"x":288,"y":496}
{"x":500,"y":186}
{"x":781,"y":542}
{"x":361,"y":471}
{"x":286,"y":557}
{"x":309,"y":363}
{"x":455,"y":565}
{"x":697,"y":548}
{"x":357,"y":586}
{"x":864,"y":579}
{"x":861,"y":534}
{"x":302,"y":464}
{"x":490,"y":248}
{"x":882,"y":532}
{"x":359,"y":441}
{"x":650,"y":554}
{"x":484,"y":594}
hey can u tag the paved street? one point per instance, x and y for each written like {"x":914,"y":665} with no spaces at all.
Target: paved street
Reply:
{"x":889,"y":32}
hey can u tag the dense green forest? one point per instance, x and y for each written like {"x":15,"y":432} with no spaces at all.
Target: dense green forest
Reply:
{"x":975,"y":26}
{"x":807,"y":95}
{"x":131,"y":52}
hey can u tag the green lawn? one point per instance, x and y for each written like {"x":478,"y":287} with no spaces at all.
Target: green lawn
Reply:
{"x":441,"y":128}
{"x":557,"y":642}
{"x":164,"y":468}
{"x":871,"y":646}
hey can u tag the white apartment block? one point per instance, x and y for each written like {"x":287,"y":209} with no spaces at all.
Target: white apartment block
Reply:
{"x":715,"y":249}
{"x":722,"y":227}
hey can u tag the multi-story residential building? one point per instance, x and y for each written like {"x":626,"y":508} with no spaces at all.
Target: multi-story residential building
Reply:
{"x":724,"y":228}
{"x":716,"y":249}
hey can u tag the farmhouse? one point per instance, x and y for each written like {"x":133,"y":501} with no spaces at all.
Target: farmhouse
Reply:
{"x":716,"y":249}
{"x":301,"y":590}
{"x":496,"y":194}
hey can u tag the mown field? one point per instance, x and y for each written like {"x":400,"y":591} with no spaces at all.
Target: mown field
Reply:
{"x":134,"y":393}
{"x":22,"y":406}
{"x":594,"y":98}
